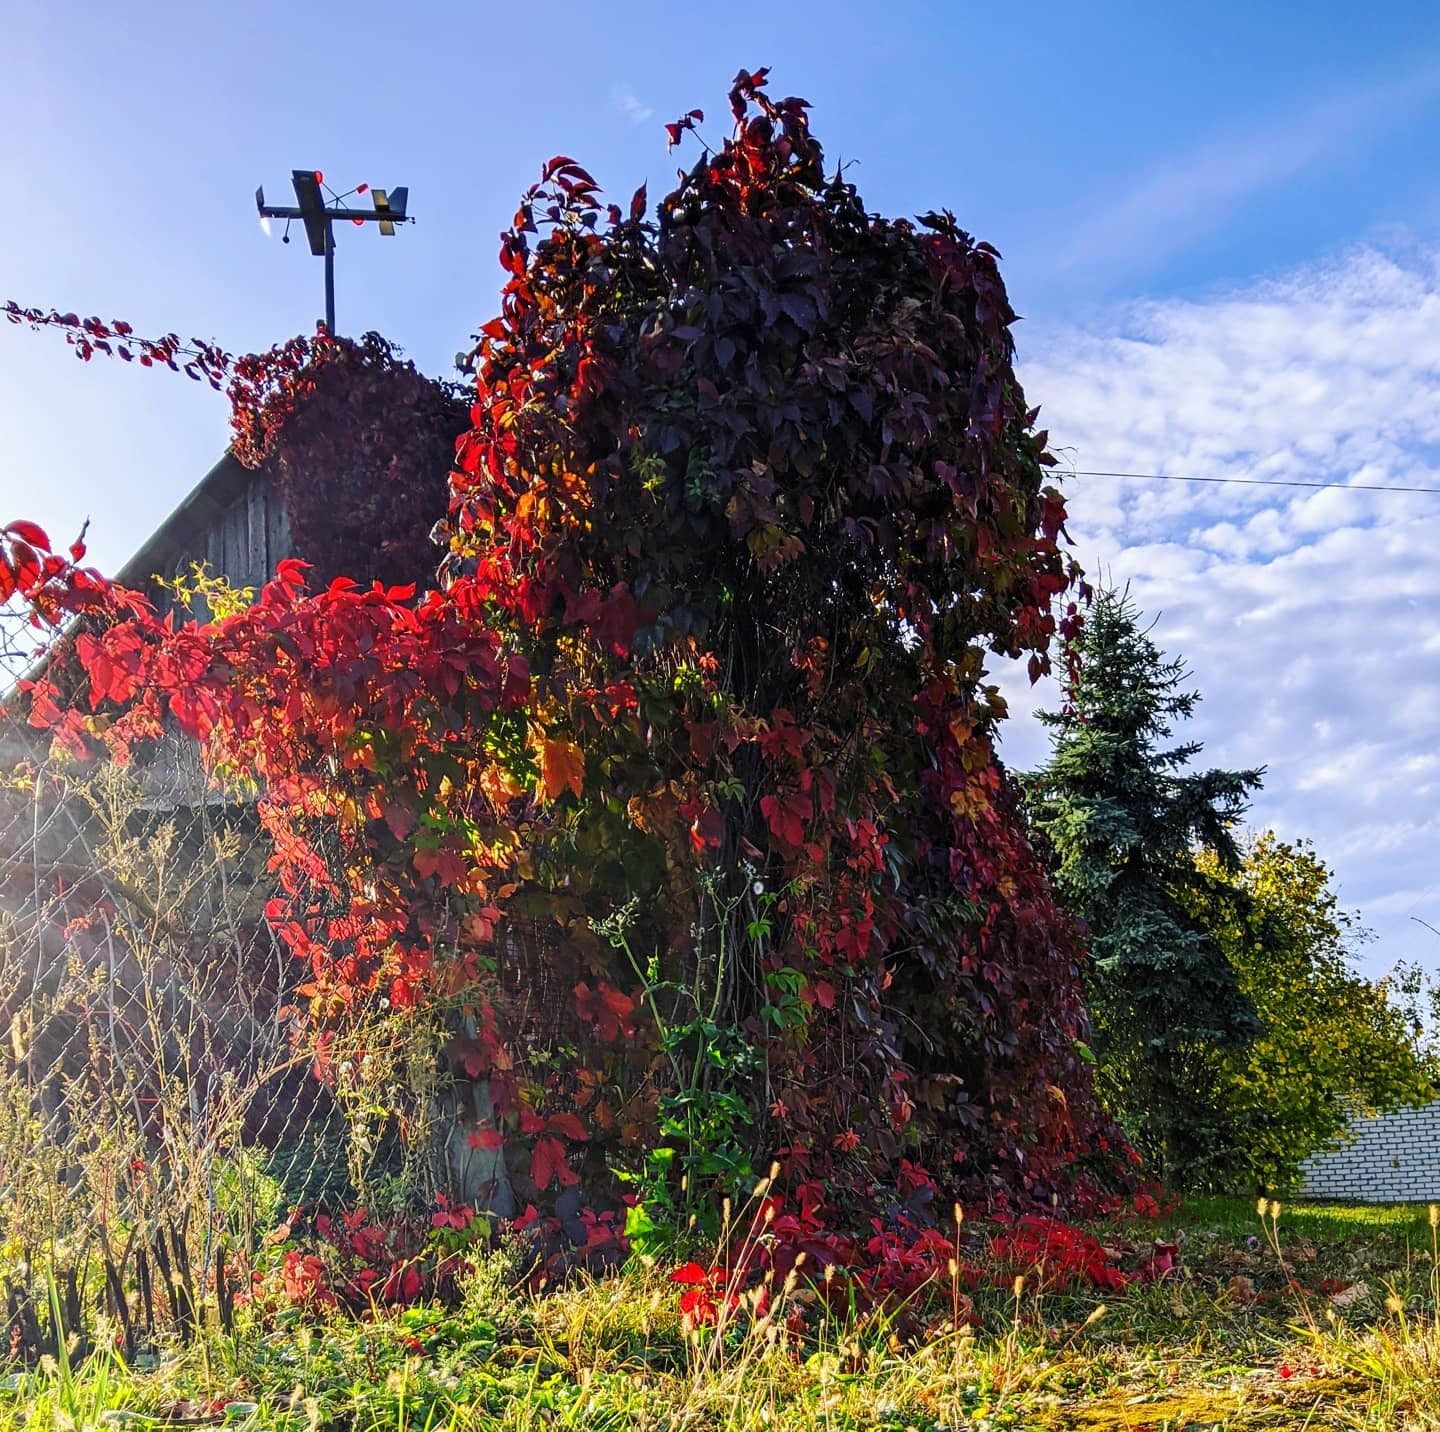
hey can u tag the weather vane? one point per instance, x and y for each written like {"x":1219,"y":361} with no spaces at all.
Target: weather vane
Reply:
{"x":319,"y":219}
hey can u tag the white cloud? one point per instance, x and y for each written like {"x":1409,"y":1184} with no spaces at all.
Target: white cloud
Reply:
{"x":630,"y":104}
{"x":1308,"y":617}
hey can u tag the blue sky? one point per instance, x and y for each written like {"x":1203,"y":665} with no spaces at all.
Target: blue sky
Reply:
{"x":1221,"y":222}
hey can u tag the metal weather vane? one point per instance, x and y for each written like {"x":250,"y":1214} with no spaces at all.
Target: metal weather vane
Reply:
{"x":318,"y":217}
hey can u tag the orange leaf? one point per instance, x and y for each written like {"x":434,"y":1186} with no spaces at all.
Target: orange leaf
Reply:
{"x":562,"y":767}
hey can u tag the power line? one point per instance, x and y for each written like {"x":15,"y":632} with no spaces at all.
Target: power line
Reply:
{"x":1251,"y":481}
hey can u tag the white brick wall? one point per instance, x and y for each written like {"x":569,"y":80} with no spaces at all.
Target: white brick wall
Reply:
{"x":1392,"y":1159}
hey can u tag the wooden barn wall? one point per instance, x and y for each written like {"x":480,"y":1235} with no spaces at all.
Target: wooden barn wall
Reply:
{"x":242,"y":542}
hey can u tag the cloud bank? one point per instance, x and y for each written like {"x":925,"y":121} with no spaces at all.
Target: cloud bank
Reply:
{"x":1311,"y":619}
{"x":1196,"y":192}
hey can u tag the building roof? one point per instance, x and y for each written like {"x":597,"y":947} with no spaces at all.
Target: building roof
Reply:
{"x":233,"y":520}
{"x":173,"y":540}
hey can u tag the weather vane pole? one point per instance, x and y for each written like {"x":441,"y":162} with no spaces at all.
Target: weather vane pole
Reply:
{"x":319,"y":219}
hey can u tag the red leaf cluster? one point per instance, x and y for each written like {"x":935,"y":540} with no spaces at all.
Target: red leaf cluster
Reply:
{"x":1053,"y":1255}
{"x":359,"y":1260}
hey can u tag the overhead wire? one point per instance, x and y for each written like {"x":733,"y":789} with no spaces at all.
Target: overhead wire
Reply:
{"x":1249,"y":481}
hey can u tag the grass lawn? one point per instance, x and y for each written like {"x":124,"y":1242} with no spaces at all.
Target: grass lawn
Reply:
{"x":1326,"y":1320}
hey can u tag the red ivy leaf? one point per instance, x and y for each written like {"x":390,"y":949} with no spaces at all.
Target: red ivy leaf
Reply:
{"x":29,"y":532}
{"x":708,"y":830}
{"x":400,"y":817}
{"x":568,"y":1126}
{"x":548,"y":1165}
{"x":447,"y":866}
{"x":607,"y":1008}
{"x":787,"y":817}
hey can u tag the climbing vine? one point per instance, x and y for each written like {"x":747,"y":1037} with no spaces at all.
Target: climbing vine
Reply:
{"x":695,"y":727}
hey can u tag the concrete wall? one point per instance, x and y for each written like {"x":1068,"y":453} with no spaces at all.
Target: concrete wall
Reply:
{"x":1393,"y":1159}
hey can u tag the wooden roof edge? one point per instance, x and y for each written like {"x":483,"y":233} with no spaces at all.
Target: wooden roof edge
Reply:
{"x":208,"y":498}
{"x":225,"y":481}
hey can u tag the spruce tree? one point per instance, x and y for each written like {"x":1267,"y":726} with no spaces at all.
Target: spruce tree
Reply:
{"x":1125,"y":815}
